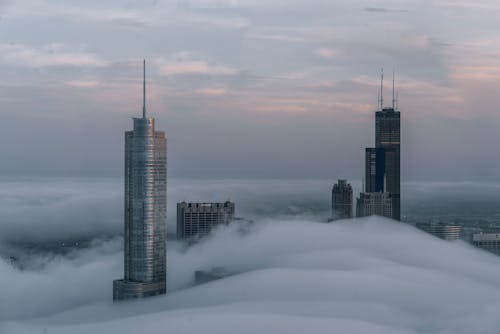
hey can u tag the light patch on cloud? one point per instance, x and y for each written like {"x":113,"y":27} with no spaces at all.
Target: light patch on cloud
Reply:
{"x":46,"y":55}
{"x":82,"y":83}
{"x":211,"y":91}
{"x":177,"y":66}
{"x":383,"y":10}
{"x":326,"y":53}
{"x":146,"y":16}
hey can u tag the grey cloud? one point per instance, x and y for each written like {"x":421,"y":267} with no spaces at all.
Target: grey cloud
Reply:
{"x":383,"y":10}
{"x":366,"y":275}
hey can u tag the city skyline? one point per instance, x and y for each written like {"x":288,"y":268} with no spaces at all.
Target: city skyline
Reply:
{"x":270,"y":107}
{"x":216,"y":80}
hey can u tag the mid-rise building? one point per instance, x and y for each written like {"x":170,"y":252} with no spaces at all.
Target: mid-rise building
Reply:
{"x":487,"y":241}
{"x":145,"y":210}
{"x":370,"y":204}
{"x":341,"y":200}
{"x":196,"y":220}
{"x":441,"y":230}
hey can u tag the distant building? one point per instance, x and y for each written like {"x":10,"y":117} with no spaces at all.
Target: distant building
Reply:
{"x":196,"y":220}
{"x":442,"y":231}
{"x":205,"y":276}
{"x":145,"y":210}
{"x":369,"y":204}
{"x":487,"y":241}
{"x":341,"y":200}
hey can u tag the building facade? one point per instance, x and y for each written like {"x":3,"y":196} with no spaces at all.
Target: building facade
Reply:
{"x":196,"y":220}
{"x":370,"y":204}
{"x":442,"y":231}
{"x":388,"y":143}
{"x":341,"y":200}
{"x":145,"y":211}
{"x":374,"y":170}
{"x":487,"y":241}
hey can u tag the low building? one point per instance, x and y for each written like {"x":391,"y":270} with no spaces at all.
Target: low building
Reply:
{"x":442,"y":231}
{"x":487,"y":241}
{"x":370,"y":204}
{"x":205,"y":276}
{"x":196,"y":220}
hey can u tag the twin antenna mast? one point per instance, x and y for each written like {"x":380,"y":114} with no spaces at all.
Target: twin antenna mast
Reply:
{"x":144,"y":88}
{"x":381,"y":93}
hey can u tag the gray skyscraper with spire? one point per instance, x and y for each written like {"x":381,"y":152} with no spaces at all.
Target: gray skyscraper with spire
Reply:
{"x":145,"y":210}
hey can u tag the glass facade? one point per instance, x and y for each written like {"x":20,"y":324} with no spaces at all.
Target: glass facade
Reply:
{"x":145,"y":212}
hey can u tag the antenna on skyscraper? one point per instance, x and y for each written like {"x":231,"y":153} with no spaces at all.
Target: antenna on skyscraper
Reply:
{"x":397,"y":100}
{"x":393,"y":96}
{"x":144,"y":88}
{"x":382,"y":89}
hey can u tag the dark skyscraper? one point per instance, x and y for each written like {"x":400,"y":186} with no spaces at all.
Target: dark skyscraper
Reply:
{"x":374,"y":170}
{"x":341,"y":200}
{"x":145,"y":210}
{"x":388,"y":140}
{"x":382,"y":162}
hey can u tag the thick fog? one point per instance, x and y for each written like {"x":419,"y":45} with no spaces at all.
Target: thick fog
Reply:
{"x":292,"y":273}
{"x":362,"y":276}
{"x":77,"y":209}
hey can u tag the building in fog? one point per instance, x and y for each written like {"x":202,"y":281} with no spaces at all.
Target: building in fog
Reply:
{"x":382,"y":162}
{"x":205,"y":276}
{"x":341,"y":200}
{"x":442,"y":231}
{"x":145,"y":210}
{"x":369,"y":204}
{"x":388,"y":140}
{"x":196,"y":220}
{"x":487,"y":241}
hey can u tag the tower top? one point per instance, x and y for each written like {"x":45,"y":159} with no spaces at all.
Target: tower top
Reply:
{"x":144,"y":88}
{"x":382,"y":89}
{"x":393,"y":94}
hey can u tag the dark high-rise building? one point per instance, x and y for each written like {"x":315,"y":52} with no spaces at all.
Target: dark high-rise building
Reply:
{"x":374,"y":170}
{"x":196,"y":220}
{"x":382,"y":162}
{"x":388,"y":139}
{"x":145,"y":210}
{"x":387,"y":128}
{"x":341,"y":200}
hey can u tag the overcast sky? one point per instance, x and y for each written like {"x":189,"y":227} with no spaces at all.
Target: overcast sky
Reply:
{"x":249,"y":88}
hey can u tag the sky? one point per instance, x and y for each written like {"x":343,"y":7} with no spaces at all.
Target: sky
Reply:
{"x":249,"y":88}
{"x":366,"y":276}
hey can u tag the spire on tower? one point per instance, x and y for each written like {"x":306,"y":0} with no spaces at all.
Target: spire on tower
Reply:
{"x":382,"y":89}
{"x":144,"y":89}
{"x":393,"y":96}
{"x":397,"y":100}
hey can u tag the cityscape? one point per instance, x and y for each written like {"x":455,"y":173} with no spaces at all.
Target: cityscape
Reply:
{"x":293,"y":167}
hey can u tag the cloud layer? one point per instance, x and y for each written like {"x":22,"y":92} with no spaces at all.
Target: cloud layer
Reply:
{"x":361,"y":276}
